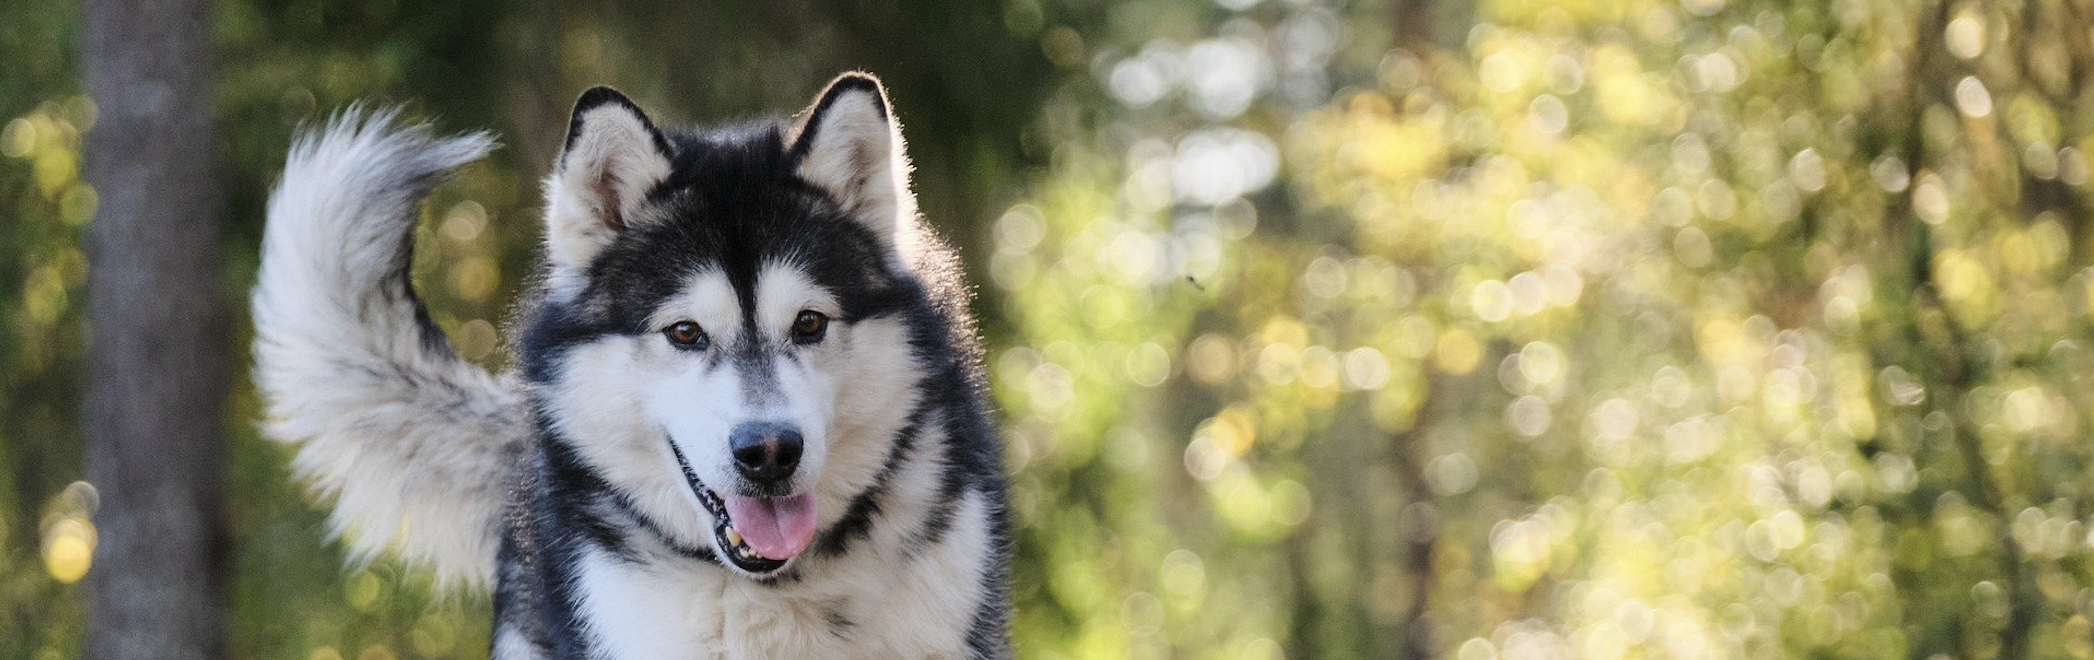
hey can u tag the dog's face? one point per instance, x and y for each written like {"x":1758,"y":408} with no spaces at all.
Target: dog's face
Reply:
{"x":723,"y":341}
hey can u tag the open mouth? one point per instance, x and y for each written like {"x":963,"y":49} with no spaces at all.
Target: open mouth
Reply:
{"x":779,"y":527}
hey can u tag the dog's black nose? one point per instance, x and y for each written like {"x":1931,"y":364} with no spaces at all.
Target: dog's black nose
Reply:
{"x":765,"y":452}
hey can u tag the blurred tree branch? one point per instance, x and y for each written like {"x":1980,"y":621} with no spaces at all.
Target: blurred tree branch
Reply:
{"x":1408,"y":455}
{"x":2040,"y":194}
{"x":1411,"y":21}
{"x":1933,"y":334}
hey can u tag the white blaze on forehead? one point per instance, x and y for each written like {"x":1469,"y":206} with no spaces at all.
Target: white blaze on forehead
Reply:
{"x":800,"y":390}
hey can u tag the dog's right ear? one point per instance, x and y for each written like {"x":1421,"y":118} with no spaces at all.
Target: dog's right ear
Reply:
{"x":612,"y":158}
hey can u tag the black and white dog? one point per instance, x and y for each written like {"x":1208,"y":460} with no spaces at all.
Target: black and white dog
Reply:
{"x":748,"y":420}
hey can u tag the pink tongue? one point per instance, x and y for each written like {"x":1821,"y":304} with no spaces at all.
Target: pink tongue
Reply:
{"x":775,"y":527}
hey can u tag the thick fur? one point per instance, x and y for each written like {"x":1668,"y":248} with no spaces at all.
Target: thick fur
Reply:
{"x":412,"y":442}
{"x":588,"y":467}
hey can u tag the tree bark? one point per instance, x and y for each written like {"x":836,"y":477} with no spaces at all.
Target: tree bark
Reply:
{"x":153,"y":407}
{"x":1411,"y":24}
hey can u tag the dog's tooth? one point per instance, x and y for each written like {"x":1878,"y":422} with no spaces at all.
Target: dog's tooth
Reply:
{"x":734,"y":536}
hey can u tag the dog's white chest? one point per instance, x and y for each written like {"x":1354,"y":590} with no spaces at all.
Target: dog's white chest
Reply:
{"x":870,"y":605}
{"x":636,"y":611}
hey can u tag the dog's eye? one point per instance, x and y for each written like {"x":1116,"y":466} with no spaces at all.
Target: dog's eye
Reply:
{"x":809,"y":327}
{"x":686,"y":334}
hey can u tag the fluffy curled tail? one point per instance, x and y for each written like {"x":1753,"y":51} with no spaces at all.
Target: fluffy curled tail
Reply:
{"x":411,"y":442}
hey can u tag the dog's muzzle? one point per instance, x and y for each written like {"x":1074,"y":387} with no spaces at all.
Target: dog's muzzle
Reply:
{"x":735,"y":548}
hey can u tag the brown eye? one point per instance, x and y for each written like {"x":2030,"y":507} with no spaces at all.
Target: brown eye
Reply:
{"x":809,"y":327}
{"x":685,"y":334}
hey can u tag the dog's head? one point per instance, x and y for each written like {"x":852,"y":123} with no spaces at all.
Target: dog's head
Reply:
{"x":725,"y":338}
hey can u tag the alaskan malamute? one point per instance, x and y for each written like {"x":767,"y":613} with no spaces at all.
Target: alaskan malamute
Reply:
{"x":747,"y":419}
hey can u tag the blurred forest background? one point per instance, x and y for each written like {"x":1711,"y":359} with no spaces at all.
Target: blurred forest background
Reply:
{"x":1470,"y":329}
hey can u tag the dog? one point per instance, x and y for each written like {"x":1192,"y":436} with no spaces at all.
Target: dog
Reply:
{"x":748,"y":418}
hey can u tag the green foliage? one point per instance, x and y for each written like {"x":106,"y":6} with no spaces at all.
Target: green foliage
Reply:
{"x":42,"y":270}
{"x":1620,"y":329}
{"x":1494,"y":329}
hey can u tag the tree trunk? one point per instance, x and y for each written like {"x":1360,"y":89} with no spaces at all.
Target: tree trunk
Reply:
{"x":155,"y":388}
{"x":1411,"y":21}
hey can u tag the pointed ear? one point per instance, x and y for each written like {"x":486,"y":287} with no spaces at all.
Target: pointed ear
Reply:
{"x":612,"y":158}
{"x":848,"y":145}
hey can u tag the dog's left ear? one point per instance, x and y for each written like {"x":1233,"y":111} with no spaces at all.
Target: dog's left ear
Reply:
{"x":848,"y":145}
{"x":613,"y":157}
